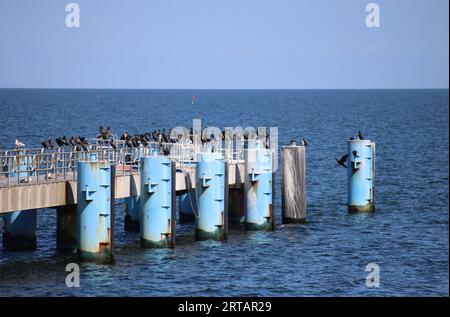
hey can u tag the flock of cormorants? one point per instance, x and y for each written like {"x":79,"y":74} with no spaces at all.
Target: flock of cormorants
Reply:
{"x":159,"y":136}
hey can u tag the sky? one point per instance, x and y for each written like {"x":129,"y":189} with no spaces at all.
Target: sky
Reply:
{"x":224,"y":44}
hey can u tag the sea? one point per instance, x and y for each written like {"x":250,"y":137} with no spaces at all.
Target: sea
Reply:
{"x":407,"y":237}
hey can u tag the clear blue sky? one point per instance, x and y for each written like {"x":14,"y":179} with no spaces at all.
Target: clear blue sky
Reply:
{"x":224,"y":44}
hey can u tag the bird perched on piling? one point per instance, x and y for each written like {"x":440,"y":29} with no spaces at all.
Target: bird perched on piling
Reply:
{"x":293,"y":142}
{"x":342,"y":160}
{"x":304,"y":142}
{"x":360,"y":136}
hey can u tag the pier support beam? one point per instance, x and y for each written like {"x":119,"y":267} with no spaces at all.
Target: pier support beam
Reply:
{"x":361,"y":176}
{"x":157,"y":202}
{"x":131,"y":220}
{"x":20,"y":230}
{"x":187,"y":204}
{"x":293,"y":184}
{"x":94,"y":208}
{"x":66,"y":227}
{"x":258,"y":189}
{"x":211,"y":187}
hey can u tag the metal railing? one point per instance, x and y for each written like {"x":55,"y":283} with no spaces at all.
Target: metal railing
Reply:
{"x":21,"y":167}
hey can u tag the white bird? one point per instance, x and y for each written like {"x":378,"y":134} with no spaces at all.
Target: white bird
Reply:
{"x":19,"y":144}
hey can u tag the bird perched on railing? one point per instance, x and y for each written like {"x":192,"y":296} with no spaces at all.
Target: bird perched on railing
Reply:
{"x":59,"y":142}
{"x":18,"y":144}
{"x":113,"y":145}
{"x":105,"y":133}
{"x":51,"y":143}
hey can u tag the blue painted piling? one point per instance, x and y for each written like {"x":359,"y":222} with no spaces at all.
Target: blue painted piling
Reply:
{"x":258,"y":189}
{"x":361,"y":176}
{"x":157,"y":203}
{"x":94,"y":207}
{"x":210,"y":186}
{"x":20,"y":230}
{"x":131,"y":220}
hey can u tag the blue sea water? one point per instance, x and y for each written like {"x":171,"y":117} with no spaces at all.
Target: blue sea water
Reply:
{"x":407,"y":236}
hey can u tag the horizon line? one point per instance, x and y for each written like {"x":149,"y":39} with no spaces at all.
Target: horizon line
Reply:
{"x":102,"y":88}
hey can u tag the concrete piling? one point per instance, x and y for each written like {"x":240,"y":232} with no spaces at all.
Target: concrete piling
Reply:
{"x":293,"y":184}
{"x":361,"y":175}
{"x":236,"y":205}
{"x":258,"y":188}
{"x":157,"y":202}
{"x":94,"y":208}
{"x":187,"y":204}
{"x":20,"y":230}
{"x":131,"y":220}
{"x":66,"y":227}
{"x":212,"y":221}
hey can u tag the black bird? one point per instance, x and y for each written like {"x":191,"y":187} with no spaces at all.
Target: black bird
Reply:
{"x":50,"y":142}
{"x":355,"y":153}
{"x":148,"y":136}
{"x":85,"y":147}
{"x":59,"y":142}
{"x":113,"y":145}
{"x":124,"y":136}
{"x":129,"y":141}
{"x":72,"y":141}
{"x":342,"y":160}
{"x":105,"y":132}
{"x":64,"y":140}
{"x":44,"y":145}
{"x":165,"y":150}
{"x":143,"y":140}
{"x":304,"y":142}
{"x":351,"y":138}
{"x":360,"y":136}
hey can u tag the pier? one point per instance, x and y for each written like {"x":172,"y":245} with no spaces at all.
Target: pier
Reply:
{"x":83,"y":186}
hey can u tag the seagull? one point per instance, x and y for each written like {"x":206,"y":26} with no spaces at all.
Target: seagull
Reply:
{"x":19,"y":144}
{"x":360,"y":136}
{"x":342,"y":160}
{"x":304,"y":142}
